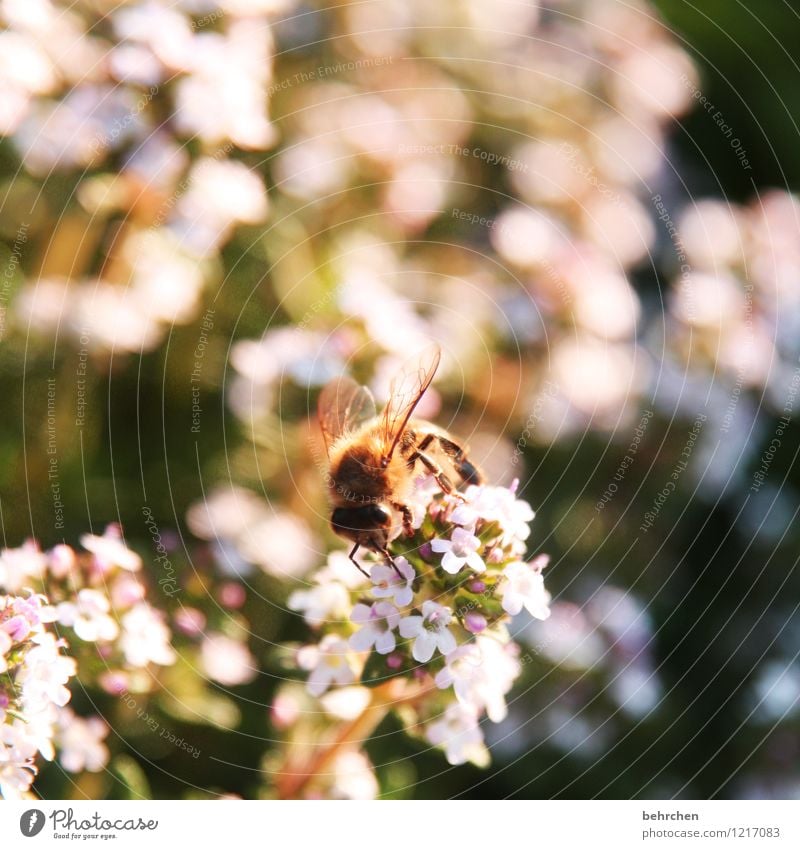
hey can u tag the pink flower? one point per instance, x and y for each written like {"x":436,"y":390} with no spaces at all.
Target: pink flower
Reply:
{"x":227,"y":660}
{"x":524,"y":587}
{"x":81,"y":742}
{"x":460,"y":550}
{"x":386,"y":583}
{"x":109,"y":551}
{"x":145,"y":638}
{"x":88,"y":616}
{"x":17,"y":628}
{"x":378,"y":622}
{"x":429,"y":631}
{"x":330,"y":662}
{"x":458,"y":733}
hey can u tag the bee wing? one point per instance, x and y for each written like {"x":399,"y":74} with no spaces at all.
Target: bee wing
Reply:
{"x":343,"y":406}
{"x":406,"y":389}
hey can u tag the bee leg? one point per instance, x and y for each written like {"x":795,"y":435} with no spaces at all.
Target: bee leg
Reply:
{"x":408,"y":528}
{"x":390,"y":560}
{"x":466,"y":470}
{"x":445,"y":484}
{"x":352,"y":557}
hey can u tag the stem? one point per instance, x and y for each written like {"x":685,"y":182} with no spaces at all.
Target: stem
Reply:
{"x":290,"y":785}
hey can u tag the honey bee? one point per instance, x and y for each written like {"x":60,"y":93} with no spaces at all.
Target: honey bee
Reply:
{"x":373,"y":459}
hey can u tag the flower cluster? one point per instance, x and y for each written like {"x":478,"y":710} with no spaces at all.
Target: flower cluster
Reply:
{"x":33,"y":675}
{"x":114,"y":635}
{"x":99,"y":114}
{"x":436,"y":619}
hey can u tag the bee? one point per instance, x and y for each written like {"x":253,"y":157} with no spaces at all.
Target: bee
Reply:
{"x":373,"y":460}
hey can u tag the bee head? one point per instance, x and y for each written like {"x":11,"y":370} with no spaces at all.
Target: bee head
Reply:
{"x":369,"y":525}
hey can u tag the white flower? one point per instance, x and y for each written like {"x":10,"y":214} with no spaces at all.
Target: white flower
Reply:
{"x":224,"y":96}
{"x":322,"y":602}
{"x":145,"y":637}
{"x":340,"y":568}
{"x":429,"y":631}
{"x":44,"y":673}
{"x":480,"y":502}
{"x":378,"y":622}
{"x":227,"y":660}
{"x":481,"y":673}
{"x":27,"y":615}
{"x":386,"y":583}
{"x":460,"y":549}
{"x":126,"y":591}
{"x":515,"y":514}
{"x":39,"y":728}
{"x":458,"y":733}
{"x":16,"y":776}
{"x":19,"y":566}
{"x":62,"y":561}
{"x":353,"y":777}
{"x":221,"y":194}
{"x":524,"y":587}
{"x":109,"y":550}
{"x":88,"y":616}
{"x":15,"y":737}
{"x":495,"y":504}
{"x":5,"y":644}
{"x":425,"y":489}
{"x":80,"y":742}
{"x":331,"y":662}
{"x":347,"y":702}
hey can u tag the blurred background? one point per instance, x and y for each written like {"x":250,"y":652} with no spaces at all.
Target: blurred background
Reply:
{"x":211,"y":208}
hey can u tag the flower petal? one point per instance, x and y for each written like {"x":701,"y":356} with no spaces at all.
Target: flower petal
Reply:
{"x":446,"y":641}
{"x":385,"y":643}
{"x":361,"y":614}
{"x":424,"y":647}
{"x":363,"y":639}
{"x":451,"y":563}
{"x":410,"y":626}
